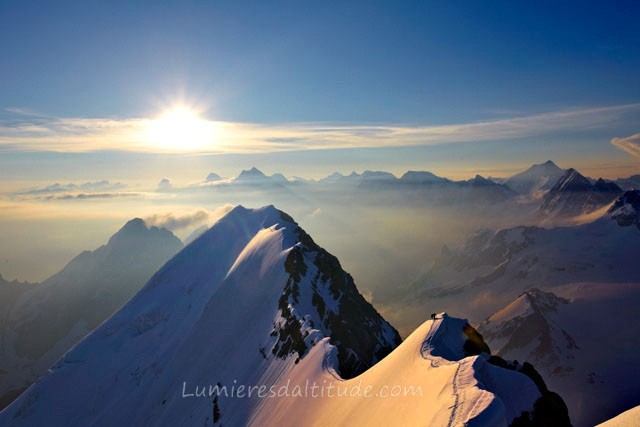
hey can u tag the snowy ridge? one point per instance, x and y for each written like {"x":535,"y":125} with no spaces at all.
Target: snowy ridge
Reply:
{"x":463,"y":390}
{"x":244,"y":303}
{"x":584,"y":359}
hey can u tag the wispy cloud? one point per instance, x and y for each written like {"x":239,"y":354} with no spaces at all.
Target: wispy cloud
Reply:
{"x":71,"y":187}
{"x":91,"y":196}
{"x":630,"y":144}
{"x":41,"y":133}
{"x":172,"y":221}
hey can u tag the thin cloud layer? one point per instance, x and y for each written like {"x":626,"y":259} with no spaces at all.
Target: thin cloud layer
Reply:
{"x":103,"y":186}
{"x":630,"y":144}
{"x":174,"y":222}
{"x":41,"y":133}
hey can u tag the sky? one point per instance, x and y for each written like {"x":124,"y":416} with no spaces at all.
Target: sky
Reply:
{"x":108,"y":98}
{"x":385,"y":85}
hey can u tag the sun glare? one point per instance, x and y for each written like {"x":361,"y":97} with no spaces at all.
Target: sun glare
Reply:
{"x":181,"y":129}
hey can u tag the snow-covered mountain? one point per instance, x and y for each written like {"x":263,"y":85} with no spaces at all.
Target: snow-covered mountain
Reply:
{"x":256,"y":302}
{"x":626,"y":210}
{"x":54,"y":315}
{"x":575,"y":195}
{"x":586,"y":272}
{"x":255,"y":177}
{"x":493,"y":267}
{"x":244,"y":302}
{"x":581,"y":338}
{"x":444,"y":376}
{"x":536,"y":180}
{"x":199,"y":231}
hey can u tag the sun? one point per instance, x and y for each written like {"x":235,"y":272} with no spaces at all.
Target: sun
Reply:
{"x":181,"y":129}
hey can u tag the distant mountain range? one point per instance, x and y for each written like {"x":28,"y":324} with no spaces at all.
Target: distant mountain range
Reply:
{"x":548,"y":192}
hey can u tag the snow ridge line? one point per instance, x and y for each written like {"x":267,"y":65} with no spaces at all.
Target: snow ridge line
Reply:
{"x":426,"y":347}
{"x":456,"y":395}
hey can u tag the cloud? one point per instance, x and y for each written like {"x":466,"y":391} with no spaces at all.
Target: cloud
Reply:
{"x":41,"y":133}
{"x":173,"y":222}
{"x":71,"y":187}
{"x":630,"y":144}
{"x":89,"y":196}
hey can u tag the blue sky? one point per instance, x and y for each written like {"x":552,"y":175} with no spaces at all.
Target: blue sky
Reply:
{"x":401,"y":64}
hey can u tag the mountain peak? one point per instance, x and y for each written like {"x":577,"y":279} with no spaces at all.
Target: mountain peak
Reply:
{"x":212,"y":177}
{"x":254,"y":172}
{"x":537,"y":177}
{"x":137,"y":230}
{"x":134,"y":225}
{"x":256,"y":285}
{"x":626,"y":209}
{"x":421,"y":177}
{"x":572,"y":181}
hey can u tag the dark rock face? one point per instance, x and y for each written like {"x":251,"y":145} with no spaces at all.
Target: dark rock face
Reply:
{"x":361,"y":335}
{"x":475,"y":343}
{"x":574,"y":194}
{"x":626,"y":210}
{"x":549,"y":410}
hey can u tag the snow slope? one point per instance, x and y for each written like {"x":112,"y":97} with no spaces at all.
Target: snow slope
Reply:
{"x":493,"y":268}
{"x":242,"y":304}
{"x":49,"y":318}
{"x":581,"y":338}
{"x":455,"y":389}
{"x":536,"y":180}
{"x":630,"y":418}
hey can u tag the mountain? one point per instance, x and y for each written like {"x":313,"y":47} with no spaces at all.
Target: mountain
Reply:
{"x":444,"y":375}
{"x":581,"y":339}
{"x":256,"y":303}
{"x":195,"y":234}
{"x":574,"y":195}
{"x":420,"y":177}
{"x":338,"y":178}
{"x":626,"y":210}
{"x":255,"y":177}
{"x":10,"y":292}
{"x":213,"y":177}
{"x":538,"y":178}
{"x":51,"y":317}
{"x":379,"y":176}
{"x":250,"y":175}
{"x":492,"y":268}
{"x":245,"y":301}
{"x":543,"y":293}
{"x":630,"y":183}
